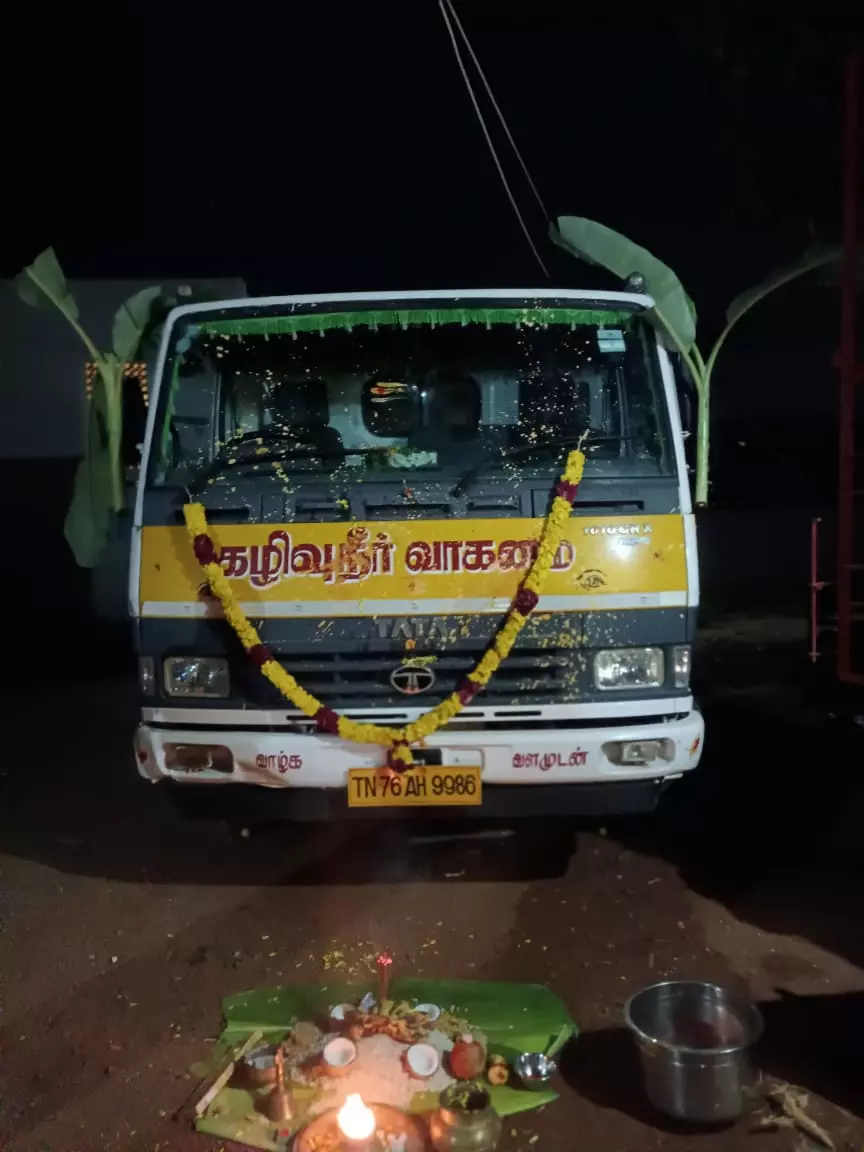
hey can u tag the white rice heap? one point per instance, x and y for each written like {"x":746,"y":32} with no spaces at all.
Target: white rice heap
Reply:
{"x":378,"y":1075}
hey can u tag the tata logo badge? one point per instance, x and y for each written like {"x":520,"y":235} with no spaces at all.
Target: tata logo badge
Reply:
{"x":411,"y":679}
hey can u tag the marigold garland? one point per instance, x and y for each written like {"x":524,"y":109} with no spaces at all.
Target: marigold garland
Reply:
{"x":397,"y":741}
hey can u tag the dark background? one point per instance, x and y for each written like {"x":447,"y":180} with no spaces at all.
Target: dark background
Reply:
{"x":333,"y":147}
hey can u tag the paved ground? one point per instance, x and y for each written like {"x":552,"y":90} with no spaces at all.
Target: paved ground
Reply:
{"x":123,"y":925}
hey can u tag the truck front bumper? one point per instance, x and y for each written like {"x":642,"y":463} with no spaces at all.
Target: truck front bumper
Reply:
{"x":565,"y":770}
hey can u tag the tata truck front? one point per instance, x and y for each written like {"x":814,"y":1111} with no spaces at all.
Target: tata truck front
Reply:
{"x":376,"y":471}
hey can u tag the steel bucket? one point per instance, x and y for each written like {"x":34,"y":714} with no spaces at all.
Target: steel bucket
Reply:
{"x":694,"y":1043}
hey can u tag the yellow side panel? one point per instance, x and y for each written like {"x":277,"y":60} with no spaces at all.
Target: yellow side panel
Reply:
{"x":419,"y":565}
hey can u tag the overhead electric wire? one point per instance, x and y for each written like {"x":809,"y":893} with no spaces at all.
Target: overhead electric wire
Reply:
{"x":449,"y":23}
{"x":498,"y":111}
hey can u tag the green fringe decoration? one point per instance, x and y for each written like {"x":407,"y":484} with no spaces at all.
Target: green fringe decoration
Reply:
{"x":322,"y":322}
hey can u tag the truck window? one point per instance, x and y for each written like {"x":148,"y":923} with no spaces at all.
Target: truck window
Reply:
{"x":363,"y":402}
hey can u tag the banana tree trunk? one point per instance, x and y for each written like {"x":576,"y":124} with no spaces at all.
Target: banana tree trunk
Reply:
{"x":115,"y":444}
{"x":703,"y":438}
{"x":111,"y":373}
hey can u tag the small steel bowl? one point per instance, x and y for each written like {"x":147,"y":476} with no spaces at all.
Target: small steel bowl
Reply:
{"x":534,"y":1070}
{"x":258,"y":1067}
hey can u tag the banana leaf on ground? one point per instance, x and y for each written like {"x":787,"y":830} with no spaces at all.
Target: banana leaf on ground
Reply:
{"x":513,"y":1018}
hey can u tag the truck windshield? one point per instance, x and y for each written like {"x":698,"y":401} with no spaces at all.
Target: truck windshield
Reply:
{"x":443,"y":394}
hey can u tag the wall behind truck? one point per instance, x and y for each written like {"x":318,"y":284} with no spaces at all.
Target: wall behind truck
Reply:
{"x":42,"y":435}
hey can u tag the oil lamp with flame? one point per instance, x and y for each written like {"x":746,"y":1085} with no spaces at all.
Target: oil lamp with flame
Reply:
{"x":356,"y":1123}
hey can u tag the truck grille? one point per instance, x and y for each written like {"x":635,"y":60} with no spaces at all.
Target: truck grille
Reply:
{"x":527,"y":676}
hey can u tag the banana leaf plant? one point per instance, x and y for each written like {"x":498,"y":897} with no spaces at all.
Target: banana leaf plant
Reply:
{"x":98,"y":493}
{"x":674,"y":313}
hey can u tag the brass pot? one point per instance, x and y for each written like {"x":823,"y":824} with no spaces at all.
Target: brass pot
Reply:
{"x":465,"y":1120}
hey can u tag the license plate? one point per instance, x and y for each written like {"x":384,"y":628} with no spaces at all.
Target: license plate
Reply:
{"x":418,"y":787}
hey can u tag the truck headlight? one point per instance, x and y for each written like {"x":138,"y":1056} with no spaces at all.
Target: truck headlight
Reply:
{"x":681,"y":660}
{"x":622,"y":668}
{"x":196,"y":676}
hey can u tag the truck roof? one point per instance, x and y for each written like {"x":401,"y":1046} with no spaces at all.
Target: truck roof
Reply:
{"x":250,"y":303}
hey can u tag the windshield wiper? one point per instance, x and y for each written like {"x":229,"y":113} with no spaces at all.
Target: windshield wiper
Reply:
{"x":588,"y":441}
{"x":274,"y":454}
{"x":263,"y":436}
{"x":222,"y":461}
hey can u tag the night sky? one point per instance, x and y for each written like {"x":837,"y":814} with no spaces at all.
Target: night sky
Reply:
{"x":332,"y":146}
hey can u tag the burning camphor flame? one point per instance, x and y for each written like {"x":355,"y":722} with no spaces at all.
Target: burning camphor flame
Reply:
{"x":355,"y":1120}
